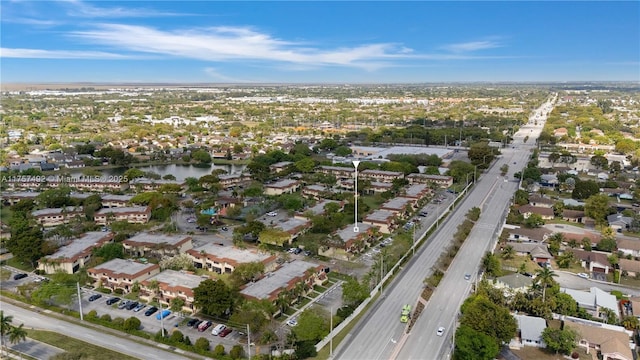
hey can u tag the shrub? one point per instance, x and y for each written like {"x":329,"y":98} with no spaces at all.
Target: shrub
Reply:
{"x":187,"y":341}
{"x":237,"y":352}
{"x":177,"y":336}
{"x":105,"y":318}
{"x":92,"y":315}
{"x":118,"y":291}
{"x":218,"y":351}
{"x":202,"y":344}
{"x":118,"y":322}
{"x":132,"y":323}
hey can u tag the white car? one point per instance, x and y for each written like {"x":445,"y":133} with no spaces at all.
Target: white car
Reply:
{"x":292,"y":322}
{"x":273,"y":213}
{"x":583,"y":275}
{"x":440,"y":331}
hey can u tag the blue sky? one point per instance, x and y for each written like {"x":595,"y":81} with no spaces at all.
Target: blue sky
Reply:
{"x":318,"y":42}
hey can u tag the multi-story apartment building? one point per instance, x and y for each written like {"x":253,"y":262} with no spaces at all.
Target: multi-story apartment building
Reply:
{"x":172,"y":284}
{"x":122,"y":274}
{"x":440,"y":180}
{"x":130,"y":214}
{"x":57,"y":216}
{"x":158,"y":245}
{"x":73,"y":256}
{"x":285,"y":278}
{"x":224,"y":259}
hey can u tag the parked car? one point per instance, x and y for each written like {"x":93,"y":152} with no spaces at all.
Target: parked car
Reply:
{"x":19,"y":276}
{"x":163,"y":314}
{"x":273,"y":213}
{"x":94,"y":297}
{"x":218,"y":329}
{"x":150,"y":311}
{"x":224,"y":228}
{"x":197,"y":324}
{"x":204,"y":325}
{"x":292,"y":322}
{"x":123,"y":304}
{"x":583,"y":275}
{"x":192,"y":322}
{"x":132,"y":305}
{"x":139,"y":307}
{"x":113,"y":300}
{"x":225,"y":332}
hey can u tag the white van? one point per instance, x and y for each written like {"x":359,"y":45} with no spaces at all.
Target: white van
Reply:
{"x":218,"y":329}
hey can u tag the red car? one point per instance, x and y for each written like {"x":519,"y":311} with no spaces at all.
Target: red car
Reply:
{"x":225,"y":332}
{"x":204,"y":325}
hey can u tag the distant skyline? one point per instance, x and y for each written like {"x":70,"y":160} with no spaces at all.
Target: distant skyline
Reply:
{"x":318,"y":42}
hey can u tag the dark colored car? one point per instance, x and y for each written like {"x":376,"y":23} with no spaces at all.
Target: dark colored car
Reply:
{"x":197,"y":323}
{"x":94,"y":297}
{"x":19,"y":276}
{"x":150,"y":311}
{"x":192,"y":322}
{"x":113,"y":300}
{"x":225,"y":332}
{"x":132,"y":305}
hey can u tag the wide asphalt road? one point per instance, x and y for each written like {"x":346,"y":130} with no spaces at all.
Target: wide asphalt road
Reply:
{"x":380,"y":335}
{"x":35,"y":320}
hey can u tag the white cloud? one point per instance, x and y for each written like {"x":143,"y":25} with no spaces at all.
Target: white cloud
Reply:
{"x":60,"y":54}
{"x":79,"y":8}
{"x":236,"y":43}
{"x":31,"y":21}
{"x":472,"y":46}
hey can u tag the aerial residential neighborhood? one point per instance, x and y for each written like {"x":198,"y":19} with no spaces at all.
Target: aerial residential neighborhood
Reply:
{"x":319,"y":180}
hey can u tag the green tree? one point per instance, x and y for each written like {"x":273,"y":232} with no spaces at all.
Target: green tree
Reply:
{"x":201,"y":156}
{"x":218,"y":351}
{"x":482,"y":315}
{"x":544,"y":277}
{"x":312,"y":325}
{"x":471,"y":345}
{"x":256,"y":314}
{"x":354,"y":292}
{"x":109,"y":251}
{"x":5,"y":326}
{"x":563,"y":341}
{"x":508,"y":252}
{"x":597,"y":208}
{"x":17,"y":334}
{"x":585,"y":189}
{"x":213,"y":297}
{"x":246,"y":272}
{"x":305,"y":165}
{"x":176,"y":304}
{"x":534,"y":221}
{"x":491,"y":264}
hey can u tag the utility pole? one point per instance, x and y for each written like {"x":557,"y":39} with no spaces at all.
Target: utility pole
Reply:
{"x":80,"y":301}
{"x":331,"y":333}
{"x":249,"y":341}
{"x":355,"y":195}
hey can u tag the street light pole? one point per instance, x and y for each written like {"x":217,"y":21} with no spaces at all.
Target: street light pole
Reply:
{"x":355,"y":225}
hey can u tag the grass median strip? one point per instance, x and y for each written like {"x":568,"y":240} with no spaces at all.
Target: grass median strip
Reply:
{"x":77,"y":347}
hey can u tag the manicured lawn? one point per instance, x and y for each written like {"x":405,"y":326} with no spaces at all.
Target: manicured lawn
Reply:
{"x":531,"y":353}
{"x":83,"y":349}
{"x":19,"y":265}
{"x":303,"y":302}
{"x":313,"y":294}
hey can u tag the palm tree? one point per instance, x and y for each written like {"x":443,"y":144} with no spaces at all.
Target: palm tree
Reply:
{"x":545,"y":277}
{"x":508,"y":252}
{"x":5,"y":326}
{"x":283,"y":300}
{"x":17,"y":334}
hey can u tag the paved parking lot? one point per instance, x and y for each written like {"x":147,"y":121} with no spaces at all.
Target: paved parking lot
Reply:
{"x":150,"y":323}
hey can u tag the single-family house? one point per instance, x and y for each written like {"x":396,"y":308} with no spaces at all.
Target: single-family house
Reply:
{"x":594,"y":301}
{"x":611,"y":344}
{"x":513,"y":283}
{"x":530,"y":330}
{"x":593,"y":261}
